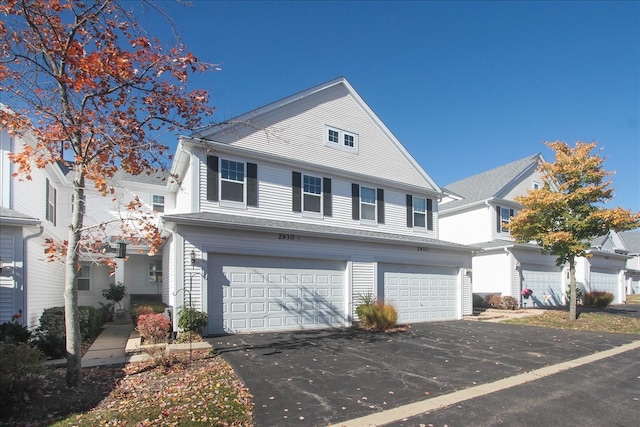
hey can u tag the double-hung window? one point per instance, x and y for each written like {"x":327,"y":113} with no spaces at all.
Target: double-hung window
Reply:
{"x":51,"y":202}
{"x":419,"y":212}
{"x":158,"y":203}
{"x":311,"y":193}
{"x":231,"y":181}
{"x":504,"y":218}
{"x":367,"y":203}
{"x":84,"y":278}
{"x":155,"y":271}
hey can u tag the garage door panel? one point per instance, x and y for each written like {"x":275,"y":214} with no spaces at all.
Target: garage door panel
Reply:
{"x":420,"y":293}
{"x":269,"y":294}
{"x":545,"y":282}
{"x":605,"y":281}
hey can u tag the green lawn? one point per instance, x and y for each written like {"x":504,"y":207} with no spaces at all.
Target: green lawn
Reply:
{"x":592,"y":321}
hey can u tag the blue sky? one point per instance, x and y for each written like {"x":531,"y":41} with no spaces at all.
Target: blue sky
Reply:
{"x":465,"y":86}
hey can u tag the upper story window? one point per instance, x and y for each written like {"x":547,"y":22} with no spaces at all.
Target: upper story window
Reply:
{"x":228,"y":180}
{"x":368,"y":203}
{"x":419,"y":212}
{"x":84,"y":277}
{"x":51,"y":202}
{"x":158,"y":203}
{"x":311,"y":194}
{"x":536,"y":185}
{"x":503,"y":219}
{"x":342,"y":139}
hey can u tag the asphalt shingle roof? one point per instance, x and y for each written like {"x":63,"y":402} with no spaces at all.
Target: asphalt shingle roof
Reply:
{"x":631,"y":240}
{"x":486,"y":185}
{"x":235,"y":221}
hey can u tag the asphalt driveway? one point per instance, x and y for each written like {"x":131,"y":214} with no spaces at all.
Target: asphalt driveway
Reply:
{"x":328,"y":376}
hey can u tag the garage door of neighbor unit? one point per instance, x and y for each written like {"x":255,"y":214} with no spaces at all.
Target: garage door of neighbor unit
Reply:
{"x":546,"y":283}
{"x":420,"y":293}
{"x":605,"y":281}
{"x":251,"y":294}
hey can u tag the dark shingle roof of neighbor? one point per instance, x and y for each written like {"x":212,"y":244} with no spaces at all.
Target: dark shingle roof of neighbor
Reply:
{"x":631,"y":240}
{"x":486,"y":185}
{"x":235,"y":221}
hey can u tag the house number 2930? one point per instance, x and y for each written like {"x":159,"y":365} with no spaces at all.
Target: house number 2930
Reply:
{"x":287,"y":237}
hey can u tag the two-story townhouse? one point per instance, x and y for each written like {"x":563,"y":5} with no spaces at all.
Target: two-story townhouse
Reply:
{"x":287,"y":215}
{"x":40,"y":208}
{"x":613,"y":265}
{"x":477,"y":212}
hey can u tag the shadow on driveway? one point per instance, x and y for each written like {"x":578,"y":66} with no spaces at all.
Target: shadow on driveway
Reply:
{"x":327,"y":376}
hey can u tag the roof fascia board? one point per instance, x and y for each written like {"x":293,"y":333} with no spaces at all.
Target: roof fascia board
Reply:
{"x":217,"y":147}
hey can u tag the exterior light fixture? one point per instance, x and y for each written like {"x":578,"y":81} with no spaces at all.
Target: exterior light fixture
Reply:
{"x":193,"y":258}
{"x":122,"y":249}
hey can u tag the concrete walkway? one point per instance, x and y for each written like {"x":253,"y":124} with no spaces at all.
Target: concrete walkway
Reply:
{"x":109,"y":347}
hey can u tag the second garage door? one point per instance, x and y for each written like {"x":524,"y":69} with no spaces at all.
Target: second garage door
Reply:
{"x":420,"y":293}
{"x":606,"y":281}
{"x":251,"y":294}
{"x":545,"y":282}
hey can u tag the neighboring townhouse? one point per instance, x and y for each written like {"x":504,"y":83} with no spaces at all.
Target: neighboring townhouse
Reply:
{"x":477,"y":212}
{"x":39,"y":209}
{"x":625,"y":246}
{"x":285,"y":216}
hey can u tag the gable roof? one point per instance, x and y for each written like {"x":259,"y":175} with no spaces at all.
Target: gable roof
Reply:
{"x":490,"y":184}
{"x":11,"y":217}
{"x":631,"y":240}
{"x":215,"y":135}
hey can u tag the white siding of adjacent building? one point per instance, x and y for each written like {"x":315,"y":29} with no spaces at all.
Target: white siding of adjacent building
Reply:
{"x":45,"y":281}
{"x":525,"y":183}
{"x":492,"y":273}
{"x":467,"y":227}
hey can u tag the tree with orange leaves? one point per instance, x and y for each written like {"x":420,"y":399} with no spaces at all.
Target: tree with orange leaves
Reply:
{"x":84,"y":79}
{"x":566,"y":214}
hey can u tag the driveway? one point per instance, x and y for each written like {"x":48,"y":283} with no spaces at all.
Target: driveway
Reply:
{"x":328,"y":376}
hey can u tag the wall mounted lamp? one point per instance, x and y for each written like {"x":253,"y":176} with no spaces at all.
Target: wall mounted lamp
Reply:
{"x":122,"y":249}
{"x":193,"y":258}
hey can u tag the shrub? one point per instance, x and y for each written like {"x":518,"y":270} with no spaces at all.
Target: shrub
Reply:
{"x":50,"y":336}
{"x":21,"y":371}
{"x":192,"y":320}
{"x":378,"y":316}
{"x":139,"y":310}
{"x":13,"y":332}
{"x":578,"y":295}
{"x":493,"y":301}
{"x":153,"y":328}
{"x":509,"y":303}
{"x":597,"y":299}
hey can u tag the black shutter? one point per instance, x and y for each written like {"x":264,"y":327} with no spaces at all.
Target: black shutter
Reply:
{"x":498,"y":220}
{"x":409,"y":211}
{"x":511,"y":213}
{"x":429,"y":214}
{"x":47,"y":215}
{"x":296,"y":184}
{"x":252,"y":184}
{"x":326,"y":197}
{"x":355,"y":201}
{"x":380,"y":206}
{"x":212,"y":178}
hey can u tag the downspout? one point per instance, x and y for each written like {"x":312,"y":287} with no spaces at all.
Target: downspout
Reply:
{"x":24,"y":267}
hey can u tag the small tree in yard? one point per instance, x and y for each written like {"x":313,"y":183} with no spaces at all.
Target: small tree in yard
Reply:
{"x":94,"y":91}
{"x":565,"y":219}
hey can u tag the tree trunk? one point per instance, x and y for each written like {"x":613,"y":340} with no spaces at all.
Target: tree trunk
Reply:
{"x":72,"y":317}
{"x":573,"y":303}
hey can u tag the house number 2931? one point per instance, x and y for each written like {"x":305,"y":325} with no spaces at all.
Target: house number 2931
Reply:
{"x":287,"y":237}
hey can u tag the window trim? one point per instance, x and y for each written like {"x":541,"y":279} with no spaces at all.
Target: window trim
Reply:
{"x":341,"y":143}
{"x":87,"y":278}
{"x":318,"y":195}
{"x":155,"y":204}
{"x":222,"y":180}
{"x":374,"y":204}
{"x":500,"y":221}
{"x":155,"y":273}
{"x":51,"y":202}
{"x":429,"y":223}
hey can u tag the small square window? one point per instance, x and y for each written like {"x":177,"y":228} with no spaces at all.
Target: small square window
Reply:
{"x":333,"y":136}
{"x":348,"y":140}
{"x":158,"y":203}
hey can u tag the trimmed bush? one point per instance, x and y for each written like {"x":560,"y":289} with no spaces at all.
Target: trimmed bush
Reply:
{"x":597,"y":299}
{"x":493,"y":301}
{"x":21,"y":370}
{"x":153,"y":328}
{"x":13,"y":332}
{"x":192,"y":320}
{"x":378,"y":316}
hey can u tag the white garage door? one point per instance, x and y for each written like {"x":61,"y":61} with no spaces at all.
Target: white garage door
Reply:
{"x":421,"y":294}
{"x":605,"y":281}
{"x":250,"y":294}
{"x":545,"y":282}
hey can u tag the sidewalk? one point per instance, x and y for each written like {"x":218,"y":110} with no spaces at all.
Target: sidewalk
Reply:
{"x":109,"y":346}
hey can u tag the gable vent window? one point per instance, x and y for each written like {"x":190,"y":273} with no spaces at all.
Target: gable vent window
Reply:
{"x":340,"y":139}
